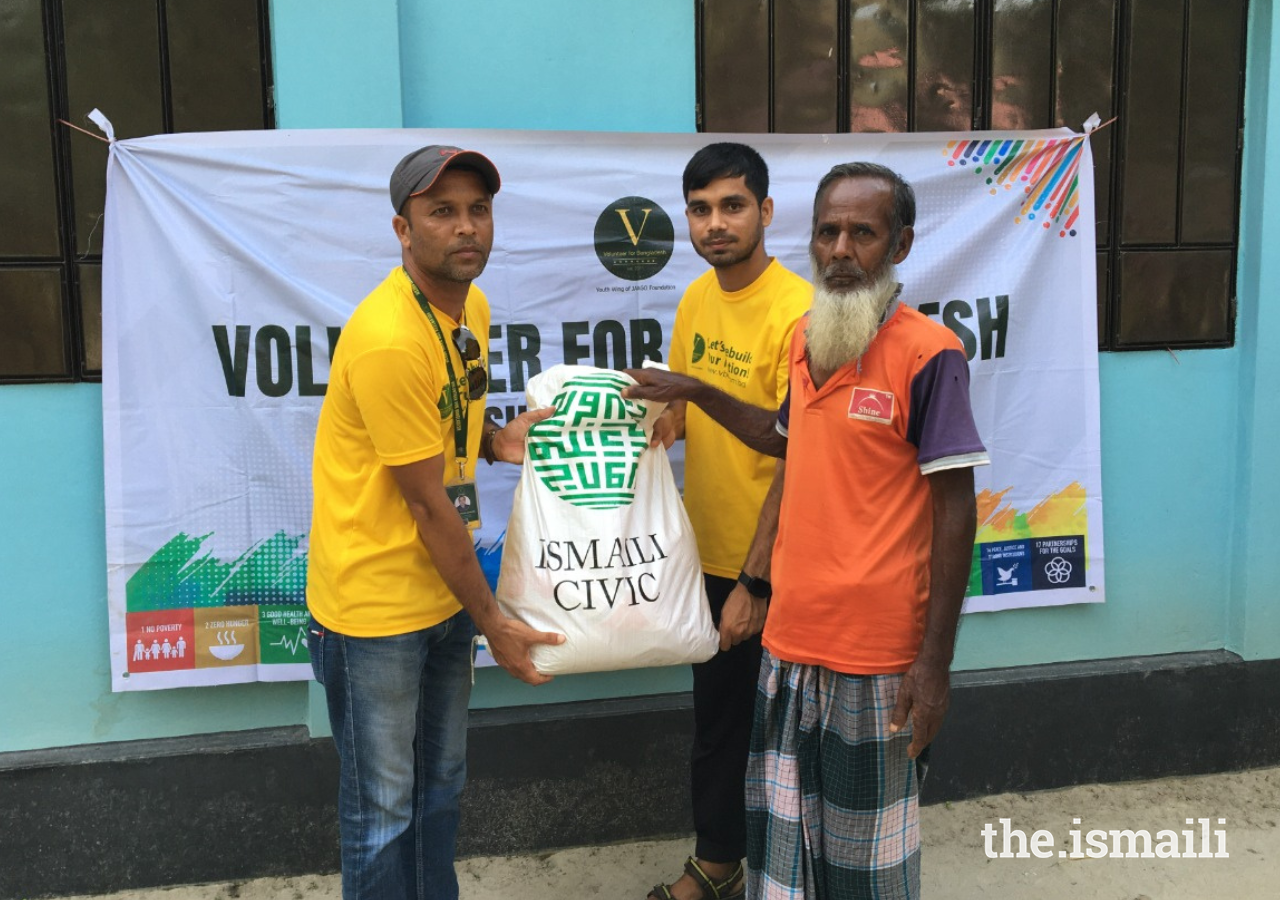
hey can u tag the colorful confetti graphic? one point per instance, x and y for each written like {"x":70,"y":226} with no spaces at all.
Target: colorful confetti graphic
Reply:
{"x":1047,"y":172}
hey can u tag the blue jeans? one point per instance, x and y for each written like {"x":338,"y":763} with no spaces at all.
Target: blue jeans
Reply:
{"x":398,"y":708}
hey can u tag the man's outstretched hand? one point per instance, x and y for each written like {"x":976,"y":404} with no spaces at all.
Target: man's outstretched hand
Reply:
{"x":660,"y":385}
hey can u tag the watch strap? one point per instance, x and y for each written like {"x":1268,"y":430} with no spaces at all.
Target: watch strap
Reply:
{"x":756,"y":587}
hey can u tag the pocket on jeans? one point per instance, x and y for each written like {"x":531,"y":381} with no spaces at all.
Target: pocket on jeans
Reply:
{"x":315,"y":647}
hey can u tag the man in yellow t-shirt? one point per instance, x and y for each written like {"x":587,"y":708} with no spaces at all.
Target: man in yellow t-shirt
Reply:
{"x":394,"y":588}
{"x":733,"y":329}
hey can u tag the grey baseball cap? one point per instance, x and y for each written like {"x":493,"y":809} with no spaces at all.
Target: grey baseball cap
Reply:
{"x":419,"y":170}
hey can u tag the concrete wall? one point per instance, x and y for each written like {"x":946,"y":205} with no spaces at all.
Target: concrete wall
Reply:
{"x":1192,"y":503}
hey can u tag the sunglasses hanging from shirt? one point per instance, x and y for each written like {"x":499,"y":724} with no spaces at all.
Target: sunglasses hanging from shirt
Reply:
{"x":469,"y":350}
{"x":461,"y":489}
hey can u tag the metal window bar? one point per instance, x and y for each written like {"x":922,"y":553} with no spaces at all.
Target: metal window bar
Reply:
{"x":1113,"y":247}
{"x":68,"y":261}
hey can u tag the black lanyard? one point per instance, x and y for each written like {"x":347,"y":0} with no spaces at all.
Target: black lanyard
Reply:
{"x":461,"y":411}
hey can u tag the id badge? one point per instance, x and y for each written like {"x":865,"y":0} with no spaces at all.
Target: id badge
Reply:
{"x":462,"y":494}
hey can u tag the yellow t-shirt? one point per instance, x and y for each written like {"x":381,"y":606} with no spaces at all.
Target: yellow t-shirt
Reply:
{"x":737,"y":342}
{"x":368,"y":573}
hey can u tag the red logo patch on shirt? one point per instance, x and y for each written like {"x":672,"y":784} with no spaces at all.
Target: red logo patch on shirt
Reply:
{"x":871,"y":406}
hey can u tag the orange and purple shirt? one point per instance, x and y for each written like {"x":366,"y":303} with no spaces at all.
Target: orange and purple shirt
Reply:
{"x":851,"y":562}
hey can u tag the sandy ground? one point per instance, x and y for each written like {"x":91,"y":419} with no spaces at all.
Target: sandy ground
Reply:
{"x":955,"y":862}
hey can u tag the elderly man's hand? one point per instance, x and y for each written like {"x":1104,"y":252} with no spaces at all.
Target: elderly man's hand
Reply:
{"x":925,"y":695}
{"x":660,"y":385}
{"x":741,"y":617}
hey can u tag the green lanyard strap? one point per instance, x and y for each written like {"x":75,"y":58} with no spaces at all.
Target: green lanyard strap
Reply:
{"x":460,"y":411}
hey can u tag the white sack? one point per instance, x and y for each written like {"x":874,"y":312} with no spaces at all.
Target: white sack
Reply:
{"x":598,"y":546}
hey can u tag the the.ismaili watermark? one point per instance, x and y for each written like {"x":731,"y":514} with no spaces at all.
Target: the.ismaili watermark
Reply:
{"x":1114,"y":843}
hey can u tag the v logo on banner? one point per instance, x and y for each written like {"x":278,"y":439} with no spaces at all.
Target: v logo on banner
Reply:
{"x":631,"y":232}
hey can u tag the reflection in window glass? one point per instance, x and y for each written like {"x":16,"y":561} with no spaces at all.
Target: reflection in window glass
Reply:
{"x":32,"y":343}
{"x":944,"y":65}
{"x":805,"y":72}
{"x":113,"y":63}
{"x":1170,"y":70}
{"x":113,"y":55}
{"x":1086,"y":42}
{"x":214,"y":64}
{"x":91,"y":316}
{"x":29,"y":226}
{"x":1021,"y":63}
{"x":1175,"y":298}
{"x":735,"y":91}
{"x":879,"y":51}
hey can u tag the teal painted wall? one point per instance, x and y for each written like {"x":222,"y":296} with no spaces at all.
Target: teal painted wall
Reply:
{"x":572,"y":65}
{"x":1192,"y":498}
{"x":1253,"y":612}
{"x":1167,"y":481}
{"x":53,"y":594}
{"x":336,"y":63}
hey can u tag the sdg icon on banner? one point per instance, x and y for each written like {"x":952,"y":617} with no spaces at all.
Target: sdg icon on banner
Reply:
{"x":1057,"y":562}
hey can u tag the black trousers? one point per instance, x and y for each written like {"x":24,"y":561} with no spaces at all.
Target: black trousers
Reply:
{"x":724,"y":697}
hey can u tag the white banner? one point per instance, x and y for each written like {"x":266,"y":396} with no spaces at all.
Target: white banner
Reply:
{"x":232,"y":260}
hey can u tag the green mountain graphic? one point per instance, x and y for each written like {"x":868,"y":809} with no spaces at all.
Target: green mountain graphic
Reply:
{"x":180,"y":576}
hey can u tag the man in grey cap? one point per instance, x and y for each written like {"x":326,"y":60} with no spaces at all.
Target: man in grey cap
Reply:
{"x":395,"y":590}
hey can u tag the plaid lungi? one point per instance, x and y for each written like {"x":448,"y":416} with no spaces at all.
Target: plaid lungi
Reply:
{"x":832,"y":798}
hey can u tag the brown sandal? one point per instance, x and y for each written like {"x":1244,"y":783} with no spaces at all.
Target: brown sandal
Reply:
{"x":711,"y":890}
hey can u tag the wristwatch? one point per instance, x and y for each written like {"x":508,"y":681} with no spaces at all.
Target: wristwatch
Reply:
{"x":486,"y":445}
{"x":756,"y":587}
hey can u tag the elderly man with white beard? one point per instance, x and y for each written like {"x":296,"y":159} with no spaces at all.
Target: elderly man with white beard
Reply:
{"x":869,"y":526}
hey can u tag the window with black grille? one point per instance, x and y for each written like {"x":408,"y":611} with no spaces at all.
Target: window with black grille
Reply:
{"x":1166,"y":173}
{"x":152,"y":66}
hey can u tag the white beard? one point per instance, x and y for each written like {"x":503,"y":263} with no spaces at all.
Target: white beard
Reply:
{"x":842,"y":324}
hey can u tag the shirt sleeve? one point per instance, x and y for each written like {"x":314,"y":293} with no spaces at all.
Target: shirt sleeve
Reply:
{"x":396,"y":392}
{"x":783,"y":387}
{"x":678,"y":352}
{"x":941,"y":422}
{"x":784,"y":408}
